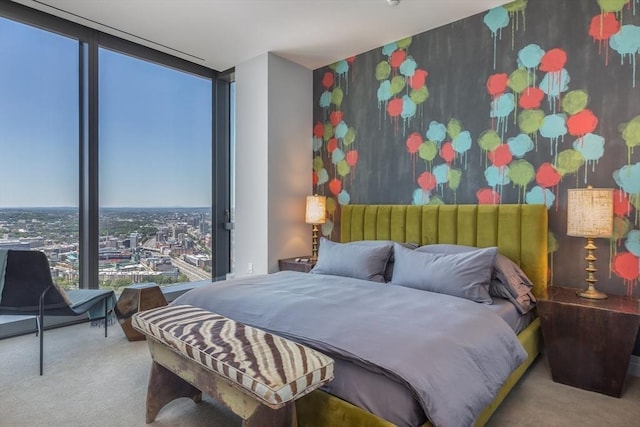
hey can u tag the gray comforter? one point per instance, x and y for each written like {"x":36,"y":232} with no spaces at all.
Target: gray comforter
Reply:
{"x":454,"y":354}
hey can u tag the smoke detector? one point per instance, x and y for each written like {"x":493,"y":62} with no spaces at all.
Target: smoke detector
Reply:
{"x":393,"y":2}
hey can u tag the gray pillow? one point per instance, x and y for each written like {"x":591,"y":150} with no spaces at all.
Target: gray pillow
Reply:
{"x":355,"y":259}
{"x":466,"y":275}
{"x":508,"y":280}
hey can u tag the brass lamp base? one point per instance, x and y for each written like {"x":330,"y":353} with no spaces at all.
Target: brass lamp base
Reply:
{"x":591,"y":293}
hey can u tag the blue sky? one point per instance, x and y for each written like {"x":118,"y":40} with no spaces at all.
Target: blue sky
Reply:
{"x":155,"y":127}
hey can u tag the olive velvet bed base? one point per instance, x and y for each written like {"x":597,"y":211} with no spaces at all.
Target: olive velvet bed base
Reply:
{"x":520,"y":233}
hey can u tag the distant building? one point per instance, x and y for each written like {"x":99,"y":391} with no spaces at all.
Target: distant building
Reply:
{"x":16,"y":245}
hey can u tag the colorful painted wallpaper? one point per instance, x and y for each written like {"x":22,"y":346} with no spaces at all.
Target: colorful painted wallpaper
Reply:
{"x":514,"y":105}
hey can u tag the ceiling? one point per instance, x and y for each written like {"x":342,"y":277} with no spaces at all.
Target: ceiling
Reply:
{"x":222,"y":33}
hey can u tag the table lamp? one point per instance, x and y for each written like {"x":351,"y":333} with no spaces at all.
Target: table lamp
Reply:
{"x":315,"y":213}
{"x":590,"y":215}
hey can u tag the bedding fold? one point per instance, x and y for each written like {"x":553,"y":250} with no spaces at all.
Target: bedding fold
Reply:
{"x":453,"y":354}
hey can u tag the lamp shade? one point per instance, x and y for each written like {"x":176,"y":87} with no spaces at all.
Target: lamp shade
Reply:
{"x":590,"y":212}
{"x":315,"y":212}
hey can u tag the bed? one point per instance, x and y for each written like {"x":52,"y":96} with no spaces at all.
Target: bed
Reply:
{"x":307,"y":310}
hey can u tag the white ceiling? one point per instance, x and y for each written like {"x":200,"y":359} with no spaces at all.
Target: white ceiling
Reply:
{"x":222,"y":33}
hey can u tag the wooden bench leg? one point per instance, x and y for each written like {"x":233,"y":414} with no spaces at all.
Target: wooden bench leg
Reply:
{"x":165,"y":386}
{"x":267,"y":417}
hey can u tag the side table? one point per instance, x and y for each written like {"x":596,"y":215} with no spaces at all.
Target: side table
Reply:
{"x":588,"y":342}
{"x":133,"y":299}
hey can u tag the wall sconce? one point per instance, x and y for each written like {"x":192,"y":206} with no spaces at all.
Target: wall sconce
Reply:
{"x":590,"y":215}
{"x":315,"y":213}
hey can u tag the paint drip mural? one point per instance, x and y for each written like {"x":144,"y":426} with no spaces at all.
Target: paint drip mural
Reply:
{"x":514,"y":105}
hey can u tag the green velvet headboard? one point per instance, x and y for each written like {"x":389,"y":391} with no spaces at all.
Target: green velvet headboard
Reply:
{"x":519,"y":231}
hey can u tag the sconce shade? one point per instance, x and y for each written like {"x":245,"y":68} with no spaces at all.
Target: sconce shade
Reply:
{"x":590,"y":212}
{"x":315,"y":212}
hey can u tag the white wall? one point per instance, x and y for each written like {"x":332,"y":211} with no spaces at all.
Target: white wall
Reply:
{"x":274,"y":121}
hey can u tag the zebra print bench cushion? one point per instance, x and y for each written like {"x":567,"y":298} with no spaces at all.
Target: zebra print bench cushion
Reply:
{"x":273,"y":369}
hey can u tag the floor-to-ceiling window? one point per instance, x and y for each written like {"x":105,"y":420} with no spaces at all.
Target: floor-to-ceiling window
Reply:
{"x":39,"y":145}
{"x":108,"y":153}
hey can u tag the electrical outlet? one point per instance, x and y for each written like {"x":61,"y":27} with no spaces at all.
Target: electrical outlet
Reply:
{"x":250,"y":268}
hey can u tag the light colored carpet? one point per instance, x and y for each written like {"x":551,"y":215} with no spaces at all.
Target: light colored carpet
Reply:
{"x":92,"y":381}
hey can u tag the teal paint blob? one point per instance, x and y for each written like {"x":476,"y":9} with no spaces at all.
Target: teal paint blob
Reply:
{"x":441,"y":172}
{"x":317,"y":143}
{"x":627,"y":40}
{"x":530,"y":56}
{"x":344,"y":198}
{"x":342,"y":67}
{"x":384,"y":91}
{"x":503,"y":105}
{"x":554,"y":83}
{"x":462,"y":143}
{"x":408,"y":107}
{"x":520,"y":145}
{"x":628,"y":178}
{"x":496,"y":176}
{"x":540,"y":196}
{"x":323,"y":176}
{"x":633,"y":242}
{"x":496,"y":18}
{"x":325,"y":99}
{"x":388,"y":49}
{"x":436,"y":132}
{"x":408,"y":67}
{"x":554,"y":126}
{"x":420,"y":197}
{"x":337,"y":156}
{"x":591,"y":146}
{"x":341,"y":130}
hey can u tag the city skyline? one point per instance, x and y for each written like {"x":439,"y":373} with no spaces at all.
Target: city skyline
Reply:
{"x":154,"y":133}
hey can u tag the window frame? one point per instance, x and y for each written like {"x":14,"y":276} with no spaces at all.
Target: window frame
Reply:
{"x":89,"y":42}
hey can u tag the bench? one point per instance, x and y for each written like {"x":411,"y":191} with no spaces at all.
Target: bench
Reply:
{"x":257,"y":375}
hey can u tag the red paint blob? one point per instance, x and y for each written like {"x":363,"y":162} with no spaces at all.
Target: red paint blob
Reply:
{"x":327,"y":80}
{"x":352,"y":157}
{"x":397,"y":58}
{"x":335,"y":186}
{"x":547,"y":176}
{"x":582,"y":123}
{"x":332,"y":145}
{"x":497,"y":84}
{"x":447,"y":152}
{"x":530,"y":98}
{"x":351,"y":59}
{"x":501,"y":156}
{"x":418,"y":79}
{"x":621,"y":205}
{"x":413,"y":142}
{"x":314,"y":178}
{"x":318,"y":130}
{"x":626,"y":265}
{"x":394,"y":107}
{"x":427,"y":181}
{"x":488,"y":196}
{"x":553,"y":60}
{"x":603,"y":26}
{"x":335,"y":117}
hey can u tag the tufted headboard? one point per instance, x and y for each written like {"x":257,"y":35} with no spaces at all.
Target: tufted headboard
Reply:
{"x":519,"y":231}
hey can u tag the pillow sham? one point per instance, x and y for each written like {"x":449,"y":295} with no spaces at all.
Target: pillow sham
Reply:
{"x":465,"y":275}
{"x":508,"y":280}
{"x":354,"y":259}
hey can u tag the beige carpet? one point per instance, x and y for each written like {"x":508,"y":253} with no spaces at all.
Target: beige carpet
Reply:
{"x":92,"y":381}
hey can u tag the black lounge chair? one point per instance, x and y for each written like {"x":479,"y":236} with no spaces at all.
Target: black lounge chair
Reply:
{"x":29,"y":290}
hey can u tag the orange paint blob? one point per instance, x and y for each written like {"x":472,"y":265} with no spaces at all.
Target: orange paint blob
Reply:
{"x":327,"y":80}
{"x":397,"y":58}
{"x":626,"y":265}
{"x":497,"y":84}
{"x":582,"y":123}
{"x":427,"y":181}
{"x":335,"y":117}
{"x":447,"y":152}
{"x":547,"y":176}
{"x":418,"y":79}
{"x":501,"y":156}
{"x":352,"y":157}
{"x":603,"y":26}
{"x":318,"y":130}
{"x":335,"y":186}
{"x":488,"y":196}
{"x":553,"y":60}
{"x":621,"y":205}
{"x":414,"y":141}
{"x":332,"y":145}
{"x":394,"y":107}
{"x":530,"y":98}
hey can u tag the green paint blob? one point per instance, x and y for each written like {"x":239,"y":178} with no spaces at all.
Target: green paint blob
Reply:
{"x":612,"y":5}
{"x":328,"y":131}
{"x":418,"y":96}
{"x":397,"y":84}
{"x":336,"y":96}
{"x":436,"y":200}
{"x":343,"y":168}
{"x":404,"y":43}
{"x":621,"y":227}
{"x":454,"y":176}
{"x":575,"y":101}
{"x":331,"y":205}
{"x":428,"y":150}
{"x":318,"y":164}
{"x":519,"y":80}
{"x":521,"y":172}
{"x":569,"y":161}
{"x":489,"y":140}
{"x":635,"y":200}
{"x":383,"y":70}
{"x":631,"y":132}
{"x":552,"y":243}
{"x":349,"y":137}
{"x":530,"y":121}
{"x":516,"y":6}
{"x":454,"y":127}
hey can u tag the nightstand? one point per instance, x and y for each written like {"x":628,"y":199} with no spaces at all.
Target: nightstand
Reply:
{"x":588,"y":342}
{"x":303,"y":264}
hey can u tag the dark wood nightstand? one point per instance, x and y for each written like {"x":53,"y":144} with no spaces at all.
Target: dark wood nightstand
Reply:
{"x":588,"y":342}
{"x":303,"y":264}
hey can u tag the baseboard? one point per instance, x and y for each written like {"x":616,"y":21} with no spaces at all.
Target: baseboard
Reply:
{"x":634,"y":366}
